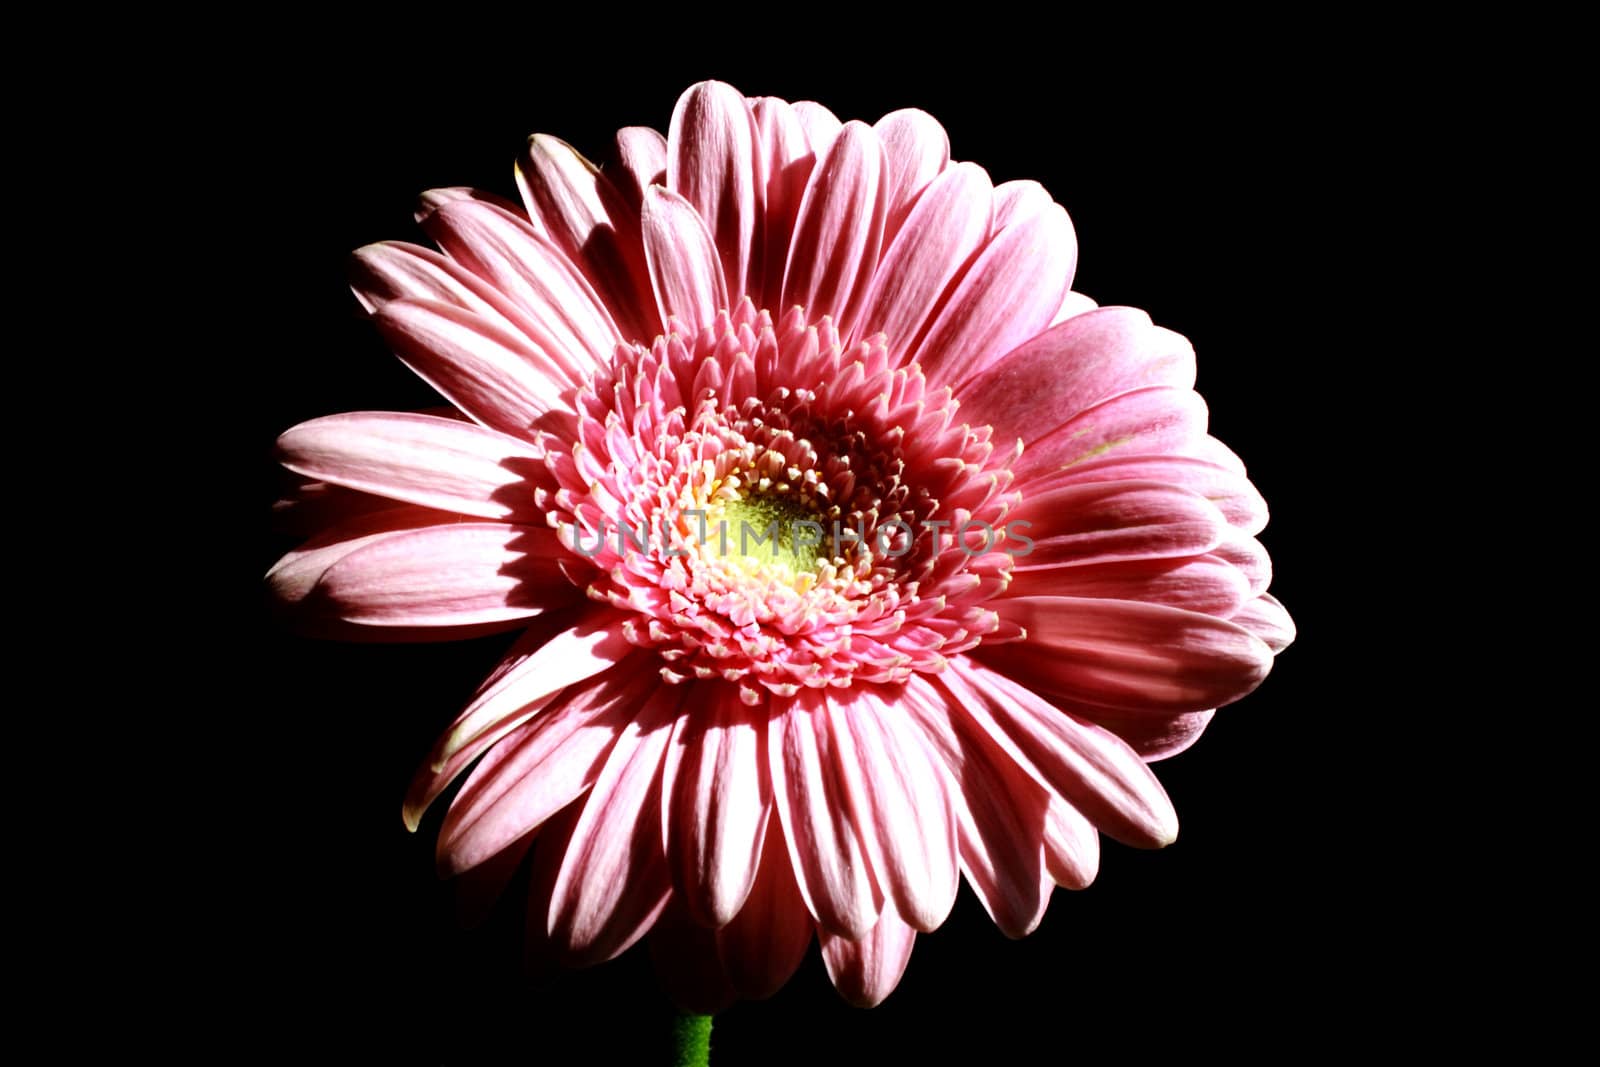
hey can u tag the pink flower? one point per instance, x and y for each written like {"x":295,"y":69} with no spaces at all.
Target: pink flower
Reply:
{"x":997,"y":564}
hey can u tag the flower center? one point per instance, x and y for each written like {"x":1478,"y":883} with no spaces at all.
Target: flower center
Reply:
{"x":752,"y":494}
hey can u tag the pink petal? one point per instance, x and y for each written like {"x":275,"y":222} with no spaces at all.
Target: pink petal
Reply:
{"x":431,"y":201}
{"x":477,"y":890}
{"x":293,"y":578}
{"x":814,"y":805}
{"x":556,"y":306}
{"x":1112,"y":522}
{"x":419,"y":459}
{"x":1001,"y":816}
{"x":1071,"y":367}
{"x":902,"y":807}
{"x":1008,"y":295}
{"x":463,"y":574}
{"x":1017,"y":200}
{"x":716,"y":799}
{"x":917,"y":149}
{"x":821,"y":125}
{"x":1268,"y":620}
{"x":1229,"y":490}
{"x":840,"y":227}
{"x":1140,"y":422}
{"x":866,"y":970}
{"x":1250,"y":556}
{"x":1129,"y":656}
{"x":1205,"y":583}
{"x":765,"y":943}
{"x":786,"y":159}
{"x":593,"y":224}
{"x":543,"y":765}
{"x":559,"y":649}
{"x":393,"y":270}
{"x":1089,"y":767}
{"x":711,"y":161}
{"x":1071,"y":846}
{"x":493,"y":376}
{"x":684,"y":268}
{"x":613,"y":881}
{"x":948,"y":224}
{"x":642,"y":162}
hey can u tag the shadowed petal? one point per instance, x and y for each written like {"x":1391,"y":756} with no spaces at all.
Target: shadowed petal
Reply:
{"x":1266,"y":618}
{"x":917,"y":149}
{"x":586,"y":217}
{"x":764,"y":944}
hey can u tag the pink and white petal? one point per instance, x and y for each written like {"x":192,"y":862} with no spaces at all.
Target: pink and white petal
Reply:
{"x":821,"y":125}
{"x":1140,"y":422}
{"x":593,"y":224}
{"x":813,"y":803}
{"x":1017,"y":200}
{"x":1250,"y":556}
{"x":764,"y":944}
{"x":902,"y":806}
{"x":1071,"y":367}
{"x":293,"y":578}
{"x":917,"y":149}
{"x":434,"y":199}
{"x":685,"y":271}
{"x":642,"y":161}
{"x":1269,"y":620}
{"x":613,"y":882}
{"x":419,"y":459}
{"x":866,"y":970}
{"x":839,"y":231}
{"x":1071,"y":846}
{"x":1207,"y":583}
{"x":394,"y":270}
{"x":1239,"y":501}
{"x":685,"y":958}
{"x":556,"y":306}
{"x":1006,"y":297}
{"x":711,"y":163}
{"x":543,"y":765}
{"x":1001,"y":816}
{"x":716,"y":799}
{"x":495,"y":377}
{"x":1154,"y":737}
{"x":1088,"y":766}
{"x":786,"y":160}
{"x":1114,"y":522}
{"x":560,"y":648}
{"x":939,"y":238}
{"x":1129,"y":656}
{"x":463,"y":574}
{"x":1072,"y":305}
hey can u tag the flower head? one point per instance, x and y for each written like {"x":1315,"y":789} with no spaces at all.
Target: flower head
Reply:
{"x":855,"y":552}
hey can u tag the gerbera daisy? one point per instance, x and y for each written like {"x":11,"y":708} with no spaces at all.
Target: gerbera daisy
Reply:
{"x":855,"y":551}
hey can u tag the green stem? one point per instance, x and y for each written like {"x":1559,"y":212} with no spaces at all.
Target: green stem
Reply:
{"x":691,"y":1040}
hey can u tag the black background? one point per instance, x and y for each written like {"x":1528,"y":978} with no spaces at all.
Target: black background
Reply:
{"x":1214,"y":189}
